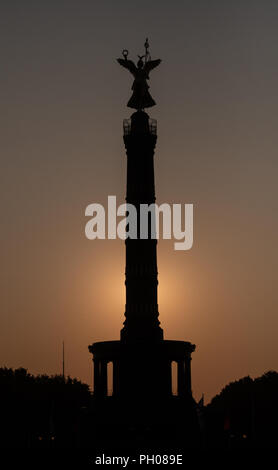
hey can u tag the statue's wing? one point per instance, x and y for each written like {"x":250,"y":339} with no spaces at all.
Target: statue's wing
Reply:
{"x":128,"y":64}
{"x":151,"y":64}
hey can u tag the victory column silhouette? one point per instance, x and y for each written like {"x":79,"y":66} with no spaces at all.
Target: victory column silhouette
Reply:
{"x":142,"y":409}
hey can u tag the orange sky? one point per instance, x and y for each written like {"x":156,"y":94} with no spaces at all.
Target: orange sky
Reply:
{"x":63,"y":100}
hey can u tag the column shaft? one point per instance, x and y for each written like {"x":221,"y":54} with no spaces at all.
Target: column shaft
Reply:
{"x":96,"y":377}
{"x":116,"y":377}
{"x":103,"y":377}
{"x":181,"y":378}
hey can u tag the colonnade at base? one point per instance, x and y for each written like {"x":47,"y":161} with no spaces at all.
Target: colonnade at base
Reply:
{"x":142,"y":368}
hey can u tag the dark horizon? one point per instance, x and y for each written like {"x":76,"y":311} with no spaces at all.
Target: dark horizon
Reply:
{"x":51,"y":412}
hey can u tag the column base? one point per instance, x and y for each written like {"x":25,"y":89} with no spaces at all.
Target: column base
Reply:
{"x":144,"y":367}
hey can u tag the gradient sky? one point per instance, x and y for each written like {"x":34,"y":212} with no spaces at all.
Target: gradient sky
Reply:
{"x":63,"y":99}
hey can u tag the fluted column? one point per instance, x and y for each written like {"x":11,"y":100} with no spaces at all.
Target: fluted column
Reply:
{"x":168,"y":377}
{"x":116,"y":377}
{"x":96,"y":377}
{"x":188,"y":375}
{"x":181,"y":378}
{"x":103,"y":377}
{"x":141,"y":313}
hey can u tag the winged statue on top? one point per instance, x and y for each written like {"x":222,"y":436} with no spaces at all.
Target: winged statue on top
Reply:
{"x":141,"y":98}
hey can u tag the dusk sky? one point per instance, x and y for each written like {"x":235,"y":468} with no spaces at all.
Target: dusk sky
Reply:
{"x":63,"y":100}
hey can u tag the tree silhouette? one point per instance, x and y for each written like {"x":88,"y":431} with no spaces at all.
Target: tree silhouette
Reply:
{"x":245,"y":413}
{"x":40,"y":411}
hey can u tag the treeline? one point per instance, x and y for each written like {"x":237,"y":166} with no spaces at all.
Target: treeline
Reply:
{"x":40,"y":411}
{"x":244,"y":414}
{"x":50,"y":412}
